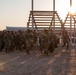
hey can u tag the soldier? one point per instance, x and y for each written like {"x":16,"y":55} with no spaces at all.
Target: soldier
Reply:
{"x":7,"y":39}
{"x":51,"y":42}
{"x":24,"y":40}
{"x":29,"y":41}
{"x":55,"y":40}
{"x":45,"y":42}
{"x":2,"y":43}
{"x":0,"y":40}
{"x":35,"y":36}
{"x":19,"y":40}
{"x":41,"y":41}
{"x":12,"y":41}
{"x":65,"y":39}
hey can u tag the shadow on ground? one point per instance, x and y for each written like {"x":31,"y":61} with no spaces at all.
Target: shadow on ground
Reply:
{"x":61,"y":62}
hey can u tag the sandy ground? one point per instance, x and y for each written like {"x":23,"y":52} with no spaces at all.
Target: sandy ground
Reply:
{"x":61,"y":62}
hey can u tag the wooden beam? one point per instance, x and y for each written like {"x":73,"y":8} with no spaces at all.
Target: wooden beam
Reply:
{"x":70,"y":3}
{"x":32,"y":14}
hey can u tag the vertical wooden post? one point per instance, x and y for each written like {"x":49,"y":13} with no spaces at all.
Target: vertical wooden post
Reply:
{"x":70,"y":24}
{"x":32,"y":12}
{"x":70,"y":3}
{"x":74,"y":31}
{"x":54,"y":13}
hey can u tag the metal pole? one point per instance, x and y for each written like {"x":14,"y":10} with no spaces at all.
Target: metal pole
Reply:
{"x":32,"y":12}
{"x":70,"y":24}
{"x":53,"y":5}
{"x":54,"y":13}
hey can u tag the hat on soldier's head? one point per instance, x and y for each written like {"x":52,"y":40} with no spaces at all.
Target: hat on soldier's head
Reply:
{"x":28,"y":30}
{"x":45,"y":31}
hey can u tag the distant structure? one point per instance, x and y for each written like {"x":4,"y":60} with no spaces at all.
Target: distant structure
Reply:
{"x":9,"y":28}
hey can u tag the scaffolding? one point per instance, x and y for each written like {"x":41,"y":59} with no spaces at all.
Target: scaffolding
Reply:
{"x":45,"y":20}
{"x":40,"y":20}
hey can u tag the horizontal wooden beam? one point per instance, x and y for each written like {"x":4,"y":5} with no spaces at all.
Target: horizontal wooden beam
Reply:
{"x":42,"y":11}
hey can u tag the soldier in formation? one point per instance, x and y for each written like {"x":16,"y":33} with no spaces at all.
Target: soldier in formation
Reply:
{"x":48,"y":42}
{"x":25,"y":40}
{"x":66,"y":39}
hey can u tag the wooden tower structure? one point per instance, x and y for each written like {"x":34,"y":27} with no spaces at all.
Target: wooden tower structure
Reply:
{"x":40,"y":20}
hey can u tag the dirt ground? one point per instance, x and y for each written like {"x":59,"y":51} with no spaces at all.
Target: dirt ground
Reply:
{"x":61,"y":62}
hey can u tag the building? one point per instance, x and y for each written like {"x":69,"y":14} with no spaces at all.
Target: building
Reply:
{"x":9,"y":28}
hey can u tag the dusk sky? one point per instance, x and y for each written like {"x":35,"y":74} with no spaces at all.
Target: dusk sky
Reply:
{"x":16,"y":12}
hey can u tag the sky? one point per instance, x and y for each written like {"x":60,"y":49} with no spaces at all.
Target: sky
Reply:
{"x":16,"y":12}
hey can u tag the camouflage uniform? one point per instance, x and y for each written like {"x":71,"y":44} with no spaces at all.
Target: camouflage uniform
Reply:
{"x":2,"y":44}
{"x":65,"y":39}
{"x":12,"y":42}
{"x":44,"y":42}
{"x":52,"y":44}
{"x":41,"y":41}
{"x":29,"y":41}
{"x":0,"y":41}
{"x":8,"y":43}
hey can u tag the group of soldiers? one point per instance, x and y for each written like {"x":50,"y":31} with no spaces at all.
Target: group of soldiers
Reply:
{"x":25,"y":40}
{"x":48,"y":42}
{"x":17,"y":40}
